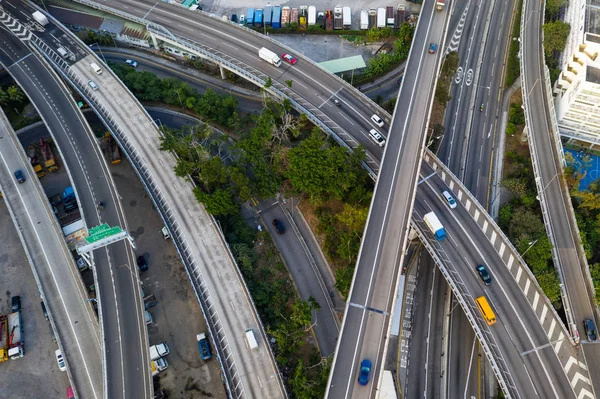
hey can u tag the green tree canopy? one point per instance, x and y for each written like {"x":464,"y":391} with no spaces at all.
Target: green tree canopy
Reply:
{"x":555,"y":36}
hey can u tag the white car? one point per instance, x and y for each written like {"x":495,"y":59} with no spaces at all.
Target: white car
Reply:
{"x":131,"y":63}
{"x":449,"y":199}
{"x":93,"y":85}
{"x":377,"y":137}
{"x":60,"y":360}
{"x":377,"y":120}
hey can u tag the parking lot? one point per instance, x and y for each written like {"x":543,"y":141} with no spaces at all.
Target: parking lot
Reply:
{"x":177,"y":316}
{"x":36,"y":375}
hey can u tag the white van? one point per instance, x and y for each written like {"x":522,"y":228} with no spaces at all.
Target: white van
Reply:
{"x":63,"y":52}
{"x":251,"y":340}
{"x":377,"y":137}
{"x":96,"y":68}
{"x":449,"y":199}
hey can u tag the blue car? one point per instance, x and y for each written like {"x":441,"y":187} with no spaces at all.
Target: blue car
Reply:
{"x":19,"y":176}
{"x":365,"y":370}
{"x":432,"y":48}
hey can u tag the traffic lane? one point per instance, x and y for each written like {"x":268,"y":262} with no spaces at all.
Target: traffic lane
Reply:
{"x":502,"y":295}
{"x":461,"y":92}
{"x":418,"y":346}
{"x":435,"y":335}
{"x":303,"y":275}
{"x":463,"y":356}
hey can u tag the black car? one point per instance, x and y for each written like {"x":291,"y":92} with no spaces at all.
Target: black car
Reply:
{"x":484,"y":274}
{"x":19,"y":176}
{"x":44,"y":310}
{"x":590,"y":330}
{"x":279,"y":226}
{"x":16,"y":303}
{"x":141,"y":263}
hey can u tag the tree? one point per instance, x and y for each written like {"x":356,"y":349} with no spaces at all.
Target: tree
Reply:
{"x":268,"y":83}
{"x":525,"y":225}
{"x":289,"y":83}
{"x":15,"y":94}
{"x":3,"y":97}
{"x":218,"y":203}
{"x":555,"y":37}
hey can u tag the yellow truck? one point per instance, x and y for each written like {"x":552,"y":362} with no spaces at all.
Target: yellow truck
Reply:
{"x":3,"y":339}
{"x":32,"y":154}
{"x":48,"y":156}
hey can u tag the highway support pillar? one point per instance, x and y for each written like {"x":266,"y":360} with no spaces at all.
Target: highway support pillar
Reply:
{"x":154,"y":41}
{"x":223,"y":72}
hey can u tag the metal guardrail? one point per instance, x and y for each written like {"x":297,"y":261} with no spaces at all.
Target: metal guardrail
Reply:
{"x":232,"y":378}
{"x":467,"y":302}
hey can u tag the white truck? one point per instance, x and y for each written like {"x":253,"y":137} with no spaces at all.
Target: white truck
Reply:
{"x":40,"y":18}
{"x":364,"y":20}
{"x":269,"y":56}
{"x":158,"y":365}
{"x":159,"y":350}
{"x":434,"y":224}
{"x":440,"y":5}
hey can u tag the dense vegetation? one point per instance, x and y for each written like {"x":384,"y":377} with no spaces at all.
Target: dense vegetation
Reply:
{"x":14,"y":103}
{"x":555,"y":36}
{"x":513,"y":69}
{"x":521,"y":218}
{"x":444,"y":83}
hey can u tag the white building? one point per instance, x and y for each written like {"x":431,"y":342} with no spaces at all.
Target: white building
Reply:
{"x":577,"y":94}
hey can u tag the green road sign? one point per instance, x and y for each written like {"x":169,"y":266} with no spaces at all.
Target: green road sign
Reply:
{"x":100,"y":232}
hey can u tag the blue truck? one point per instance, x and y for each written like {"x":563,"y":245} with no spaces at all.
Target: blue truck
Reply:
{"x":250,"y":17}
{"x":434,"y":224}
{"x":276,"y":20}
{"x":203,"y":346}
{"x":258,"y":18}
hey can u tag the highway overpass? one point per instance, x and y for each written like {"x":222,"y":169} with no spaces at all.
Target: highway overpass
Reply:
{"x":57,"y":277}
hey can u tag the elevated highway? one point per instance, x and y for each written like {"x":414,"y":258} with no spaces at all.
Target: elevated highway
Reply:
{"x":351,"y":115}
{"x":55,"y":272}
{"x":547,"y":158}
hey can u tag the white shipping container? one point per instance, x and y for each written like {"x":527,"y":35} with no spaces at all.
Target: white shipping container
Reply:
{"x":381,"y":17}
{"x":364,"y":20}
{"x":347,"y":13}
{"x":312,"y":15}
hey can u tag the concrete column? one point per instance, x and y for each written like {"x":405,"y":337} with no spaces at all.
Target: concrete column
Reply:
{"x":154,"y":41}
{"x":223,"y":74}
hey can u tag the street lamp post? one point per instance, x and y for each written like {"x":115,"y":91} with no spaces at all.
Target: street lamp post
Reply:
{"x":531,"y":244}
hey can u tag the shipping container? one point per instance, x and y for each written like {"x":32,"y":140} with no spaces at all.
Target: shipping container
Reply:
{"x":276,"y":20}
{"x":328,"y":20}
{"x":267,"y":15}
{"x":294,"y":16}
{"x":381,"y":17}
{"x":399,"y":17}
{"x":372,"y":18}
{"x":250,"y":17}
{"x":347,"y":17}
{"x":285,"y":16}
{"x":258,"y":18}
{"x":321,"y":19}
{"x":337,"y":17}
{"x":364,"y":20}
{"x":303,"y":15}
{"x":389,"y":16}
{"x":312,"y":15}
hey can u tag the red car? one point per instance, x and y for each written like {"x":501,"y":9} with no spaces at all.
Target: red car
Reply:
{"x":70,"y":394}
{"x":289,"y":58}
